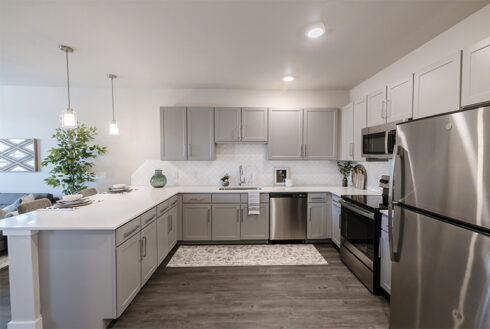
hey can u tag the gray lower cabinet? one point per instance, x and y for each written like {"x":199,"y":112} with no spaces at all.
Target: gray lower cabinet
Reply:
{"x":285,"y":134}
{"x":149,"y":256}
{"x":336,"y":221}
{"x":173,"y":130}
{"x":225,"y":222}
{"x":227,"y":124}
{"x":317,"y":227}
{"x":196,"y":222}
{"x":255,"y":227}
{"x":200,"y":133}
{"x":162,"y":237}
{"x":172,"y":227}
{"x":320,"y":133}
{"x":128,"y":272}
{"x":254,"y":124}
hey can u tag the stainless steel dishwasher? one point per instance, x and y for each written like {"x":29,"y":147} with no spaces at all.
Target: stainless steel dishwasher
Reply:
{"x":288,"y":212}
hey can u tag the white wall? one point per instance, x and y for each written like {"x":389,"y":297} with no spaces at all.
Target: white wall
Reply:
{"x":467,"y":32}
{"x":32,"y":112}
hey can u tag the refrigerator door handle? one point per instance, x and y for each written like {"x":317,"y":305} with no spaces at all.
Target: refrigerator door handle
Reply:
{"x":394,"y":254}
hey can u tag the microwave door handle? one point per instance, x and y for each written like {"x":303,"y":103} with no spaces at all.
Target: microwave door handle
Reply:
{"x":394,"y":254}
{"x":387,"y":134}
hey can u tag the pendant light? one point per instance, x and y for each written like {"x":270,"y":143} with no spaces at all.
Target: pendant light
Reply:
{"x":113,"y":128}
{"x":68,"y":116}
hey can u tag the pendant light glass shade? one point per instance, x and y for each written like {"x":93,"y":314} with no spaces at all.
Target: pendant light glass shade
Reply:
{"x":69,"y":116}
{"x":113,"y":128}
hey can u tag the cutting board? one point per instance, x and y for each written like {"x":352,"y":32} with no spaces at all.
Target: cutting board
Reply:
{"x":359,"y":176}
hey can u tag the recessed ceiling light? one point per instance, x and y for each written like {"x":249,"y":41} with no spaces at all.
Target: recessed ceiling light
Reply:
{"x":288,"y":78}
{"x":315,"y":30}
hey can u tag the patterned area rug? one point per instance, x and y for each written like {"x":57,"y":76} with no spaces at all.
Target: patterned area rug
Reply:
{"x":247,"y":255}
{"x":4,"y":261}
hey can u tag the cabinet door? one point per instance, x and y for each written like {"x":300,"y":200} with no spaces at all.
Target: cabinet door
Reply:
{"x":255,"y":227}
{"x":476,"y":73}
{"x":149,"y":261}
{"x":128,"y":268}
{"x":225,"y":222}
{"x":359,"y":124}
{"x":437,"y":87}
{"x":172,"y":227}
{"x":200,"y":133}
{"x":285,"y":134}
{"x":173,"y":131}
{"x":400,"y":100}
{"x":254,"y":124}
{"x":320,"y":134}
{"x":336,"y":223}
{"x":162,"y":237}
{"x":227,"y":124}
{"x":385,"y":275}
{"x":347,"y":131}
{"x":317,"y":221}
{"x":196,"y":222}
{"x":376,"y":107}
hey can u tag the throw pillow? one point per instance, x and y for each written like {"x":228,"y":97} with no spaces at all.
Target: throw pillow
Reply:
{"x":27,"y":198}
{"x":12,"y":207}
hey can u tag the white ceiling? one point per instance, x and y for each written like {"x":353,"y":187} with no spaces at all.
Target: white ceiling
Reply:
{"x":215,"y":44}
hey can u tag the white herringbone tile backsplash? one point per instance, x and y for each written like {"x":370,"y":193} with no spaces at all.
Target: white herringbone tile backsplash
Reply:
{"x":258,"y":170}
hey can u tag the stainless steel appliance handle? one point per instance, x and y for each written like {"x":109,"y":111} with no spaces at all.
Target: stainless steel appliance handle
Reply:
{"x":394,"y":255}
{"x":357,"y":209}
{"x":386,"y":142}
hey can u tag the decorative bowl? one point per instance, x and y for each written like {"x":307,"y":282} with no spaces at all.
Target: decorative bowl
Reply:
{"x":118,"y":186}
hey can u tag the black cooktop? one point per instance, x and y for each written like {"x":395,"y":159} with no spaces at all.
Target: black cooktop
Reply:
{"x":373,"y":202}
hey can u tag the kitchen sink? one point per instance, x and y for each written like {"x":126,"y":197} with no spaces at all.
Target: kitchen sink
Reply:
{"x":240,"y":188}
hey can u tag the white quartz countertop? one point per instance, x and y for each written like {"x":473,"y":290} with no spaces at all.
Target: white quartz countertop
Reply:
{"x":110,"y":211}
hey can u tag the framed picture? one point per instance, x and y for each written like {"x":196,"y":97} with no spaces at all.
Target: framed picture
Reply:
{"x":280,"y":175}
{"x":18,"y":155}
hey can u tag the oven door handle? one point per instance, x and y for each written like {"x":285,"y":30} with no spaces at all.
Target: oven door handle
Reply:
{"x":357,"y":210}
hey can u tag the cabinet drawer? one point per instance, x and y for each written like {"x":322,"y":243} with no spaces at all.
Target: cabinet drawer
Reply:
{"x":148,"y":217}
{"x":197,"y":198}
{"x":317,"y":197}
{"x":162,"y":208}
{"x":226,"y":198}
{"x":264,"y":198}
{"x":173,"y":201}
{"x":128,"y":230}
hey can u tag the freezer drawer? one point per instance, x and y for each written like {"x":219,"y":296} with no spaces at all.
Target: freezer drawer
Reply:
{"x":442,"y":277}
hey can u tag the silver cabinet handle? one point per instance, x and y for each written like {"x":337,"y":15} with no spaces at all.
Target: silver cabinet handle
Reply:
{"x":306,"y":150}
{"x":394,"y":254}
{"x":383,"y":109}
{"x":238,"y":215}
{"x":351,"y":149}
{"x":126,"y":234}
{"x":141,"y":249}
{"x":163,"y":210}
{"x":150,"y":219}
{"x":209,"y":215}
{"x":144,"y":241}
{"x":388,"y":108}
{"x":174,"y":203}
{"x":169,"y":223}
{"x":195,"y":199}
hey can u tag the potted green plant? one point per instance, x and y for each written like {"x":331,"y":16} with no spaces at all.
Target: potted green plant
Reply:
{"x":225,"y":180}
{"x":345,"y":168}
{"x":71,"y":158}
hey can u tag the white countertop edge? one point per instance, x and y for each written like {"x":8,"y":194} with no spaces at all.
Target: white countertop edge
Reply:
{"x":118,"y":209}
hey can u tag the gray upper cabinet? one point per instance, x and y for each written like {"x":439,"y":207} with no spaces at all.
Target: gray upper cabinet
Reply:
{"x":225,"y":222}
{"x":320,"y":134}
{"x":255,"y":227}
{"x":285,"y":134}
{"x":234,"y":124}
{"x":200,"y":133}
{"x":254,"y":124}
{"x":196,"y":222}
{"x":187,"y":133}
{"x":173,"y":130}
{"x":227,"y":124}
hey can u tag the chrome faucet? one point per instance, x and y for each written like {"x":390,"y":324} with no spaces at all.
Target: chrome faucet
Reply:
{"x":241,"y":177}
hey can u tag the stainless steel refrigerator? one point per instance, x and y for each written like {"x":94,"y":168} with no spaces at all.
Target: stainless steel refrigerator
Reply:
{"x":440,"y":222}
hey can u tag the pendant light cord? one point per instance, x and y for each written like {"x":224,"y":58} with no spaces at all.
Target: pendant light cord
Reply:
{"x":68,"y":78}
{"x":112,"y":86}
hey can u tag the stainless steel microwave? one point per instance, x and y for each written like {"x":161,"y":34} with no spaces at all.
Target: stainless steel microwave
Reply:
{"x":378,"y":141}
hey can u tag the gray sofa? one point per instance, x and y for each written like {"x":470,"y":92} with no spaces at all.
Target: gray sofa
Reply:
{"x":7,"y":199}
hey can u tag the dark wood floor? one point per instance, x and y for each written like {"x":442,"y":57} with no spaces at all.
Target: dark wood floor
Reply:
{"x":258,"y":297}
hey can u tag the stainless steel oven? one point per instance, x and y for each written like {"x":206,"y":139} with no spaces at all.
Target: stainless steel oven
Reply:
{"x":359,"y":231}
{"x":378,"y":141}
